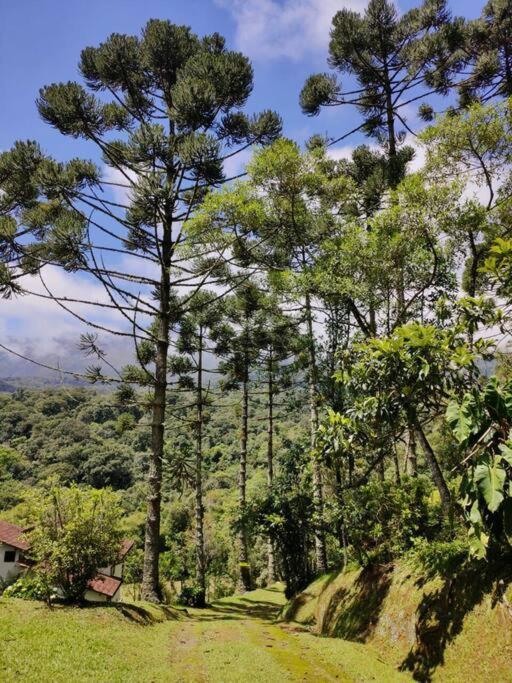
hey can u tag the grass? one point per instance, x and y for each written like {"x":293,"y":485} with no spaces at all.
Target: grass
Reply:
{"x":93,"y":643}
{"x":236,"y":639}
{"x":451,"y":627}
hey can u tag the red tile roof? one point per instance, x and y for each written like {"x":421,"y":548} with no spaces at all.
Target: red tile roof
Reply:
{"x":106,"y":585}
{"x":12,"y":535}
{"x":126,"y":546}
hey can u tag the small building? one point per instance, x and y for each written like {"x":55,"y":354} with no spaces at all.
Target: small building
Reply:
{"x":12,"y":549}
{"x":103,"y":588}
{"x":107,"y":582}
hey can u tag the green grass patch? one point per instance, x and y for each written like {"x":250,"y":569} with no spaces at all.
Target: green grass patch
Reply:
{"x":97,"y":643}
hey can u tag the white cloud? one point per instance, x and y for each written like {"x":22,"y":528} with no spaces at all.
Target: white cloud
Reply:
{"x":120,"y":190}
{"x":40,"y":329}
{"x":270,"y":29}
{"x":344,"y":152}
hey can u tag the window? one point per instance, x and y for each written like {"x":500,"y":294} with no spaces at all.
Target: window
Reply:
{"x":10,"y":556}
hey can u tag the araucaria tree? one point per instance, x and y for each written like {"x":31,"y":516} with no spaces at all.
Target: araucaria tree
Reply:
{"x":239,"y":358}
{"x":395,"y":60}
{"x":201,"y":331}
{"x":162,"y":111}
{"x":283,"y":213}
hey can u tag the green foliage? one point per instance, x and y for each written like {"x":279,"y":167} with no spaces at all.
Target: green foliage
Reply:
{"x":385,"y":518}
{"x":481,"y":423}
{"x":73,"y":533}
{"x":29,"y":587}
{"x":381,"y":48}
{"x":377,"y":251}
{"x":438,"y":557}
{"x":286,"y":516}
{"x":133,"y":566}
{"x":191,"y":596}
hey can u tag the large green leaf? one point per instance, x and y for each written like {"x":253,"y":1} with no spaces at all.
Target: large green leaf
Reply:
{"x":506,"y":452}
{"x":460,"y":420}
{"x":478,"y":542}
{"x":490,"y":478}
{"x":495,"y":400}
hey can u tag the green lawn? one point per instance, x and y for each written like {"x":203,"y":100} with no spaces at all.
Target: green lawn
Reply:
{"x":72,"y":644}
{"x":234,"y":640}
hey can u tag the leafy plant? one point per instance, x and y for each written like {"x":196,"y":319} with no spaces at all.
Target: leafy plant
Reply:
{"x":29,"y":587}
{"x":191,"y":596}
{"x":481,"y":423}
{"x":74,"y":533}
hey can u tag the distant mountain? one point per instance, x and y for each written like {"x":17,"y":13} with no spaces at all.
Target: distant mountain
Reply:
{"x":5,"y":387}
{"x":10,"y":384}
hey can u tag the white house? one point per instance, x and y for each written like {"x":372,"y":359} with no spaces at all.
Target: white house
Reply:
{"x":12,"y":549}
{"x":103,"y":588}
{"x":107,"y":582}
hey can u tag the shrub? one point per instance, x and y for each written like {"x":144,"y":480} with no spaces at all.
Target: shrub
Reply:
{"x":439,"y":558}
{"x":75,"y":531}
{"x":191,"y":596}
{"x":382,"y":518}
{"x":29,"y":587}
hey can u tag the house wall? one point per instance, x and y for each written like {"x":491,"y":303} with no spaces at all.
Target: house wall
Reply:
{"x":92,"y":596}
{"x":8,"y":569}
{"x":114,"y":570}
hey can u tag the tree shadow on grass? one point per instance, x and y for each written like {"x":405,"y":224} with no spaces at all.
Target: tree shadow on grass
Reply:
{"x":292,"y":609}
{"x":239,"y":609}
{"x":139,"y":614}
{"x":441,"y":613}
{"x":261,"y":609}
{"x":362,"y":605}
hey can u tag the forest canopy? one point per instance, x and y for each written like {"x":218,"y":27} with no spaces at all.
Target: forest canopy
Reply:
{"x":319,"y":366}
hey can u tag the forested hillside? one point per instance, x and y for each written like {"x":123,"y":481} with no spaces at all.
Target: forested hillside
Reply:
{"x":78,"y":436}
{"x":294,"y":350}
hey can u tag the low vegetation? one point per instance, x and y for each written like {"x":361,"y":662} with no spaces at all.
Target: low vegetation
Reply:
{"x":426,"y":624}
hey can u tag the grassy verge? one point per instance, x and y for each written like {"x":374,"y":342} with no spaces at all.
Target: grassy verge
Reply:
{"x":235,"y":640}
{"x":454,"y":627}
{"x":129,"y":643}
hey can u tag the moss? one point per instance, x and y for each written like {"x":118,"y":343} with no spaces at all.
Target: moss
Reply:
{"x":451,"y":627}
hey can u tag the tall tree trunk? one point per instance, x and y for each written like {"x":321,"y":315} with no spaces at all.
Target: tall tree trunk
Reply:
{"x":411,"y":457}
{"x":397,"y":466}
{"x":244,"y":579}
{"x":318,"y":496}
{"x":390,"y":123}
{"x":150,"y":578}
{"x":340,"y":522}
{"x":270,"y":463}
{"x":437,"y":475}
{"x":381,"y":469}
{"x":199,"y":512}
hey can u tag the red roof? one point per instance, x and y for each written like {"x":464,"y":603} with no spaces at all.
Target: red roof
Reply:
{"x":106,"y":585}
{"x":12,"y":535}
{"x":126,"y":546}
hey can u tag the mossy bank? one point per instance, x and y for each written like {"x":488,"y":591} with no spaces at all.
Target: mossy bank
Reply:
{"x":455,"y":627}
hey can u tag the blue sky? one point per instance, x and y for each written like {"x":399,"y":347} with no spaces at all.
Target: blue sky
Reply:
{"x":286,"y":40}
{"x":41,"y":41}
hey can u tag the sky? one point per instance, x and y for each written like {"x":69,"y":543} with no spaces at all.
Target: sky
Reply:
{"x":41,"y":41}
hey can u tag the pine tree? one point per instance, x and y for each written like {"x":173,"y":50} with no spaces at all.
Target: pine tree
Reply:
{"x":175,"y":101}
{"x":395,"y":60}
{"x":277,"y":221}
{"x":279,"y":343}
{"x":203,"y":330}
{"x":488,"y":49}
{"x":240,"y":355}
